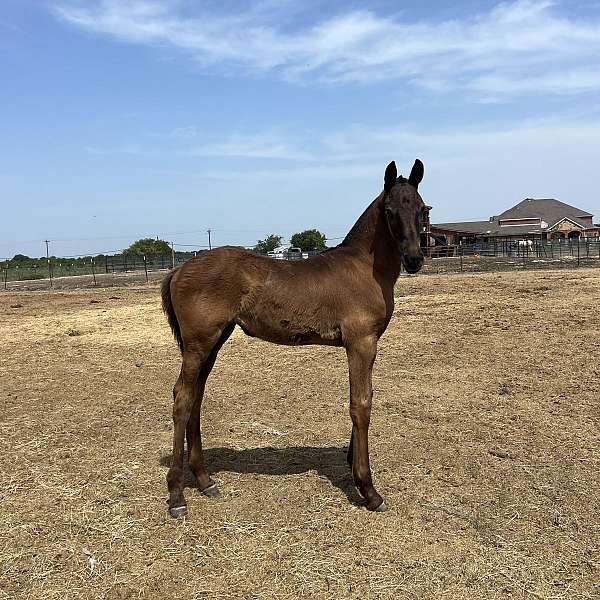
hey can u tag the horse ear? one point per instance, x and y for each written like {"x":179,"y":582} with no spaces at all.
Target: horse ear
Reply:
{"x":389,"y":179}
{"x":416,"y":175}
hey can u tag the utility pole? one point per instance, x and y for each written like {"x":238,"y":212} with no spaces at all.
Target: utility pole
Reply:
{"x":209,"y":244}
{"x":48,"y":259}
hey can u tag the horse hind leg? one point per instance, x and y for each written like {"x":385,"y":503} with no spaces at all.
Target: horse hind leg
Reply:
{"x":193,"y":359}
{"x":193,"y":431}
{"x":350,"y":453}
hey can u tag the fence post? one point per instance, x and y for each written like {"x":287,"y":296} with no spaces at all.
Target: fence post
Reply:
{"x":577,"y":252}
{"x":5,"y":275}
{"x":93,"y":271}
{"x":146,"y":268}
{"x":460,"y":252}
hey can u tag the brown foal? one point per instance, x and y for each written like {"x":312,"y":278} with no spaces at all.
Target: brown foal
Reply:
{"x":343,"y":297}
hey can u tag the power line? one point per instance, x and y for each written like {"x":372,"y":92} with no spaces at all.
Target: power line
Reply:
{"x":198,"y":246}
{"x":138,"y":236}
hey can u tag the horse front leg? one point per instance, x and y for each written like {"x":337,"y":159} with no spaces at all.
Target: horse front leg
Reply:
{"x":361,"y":356}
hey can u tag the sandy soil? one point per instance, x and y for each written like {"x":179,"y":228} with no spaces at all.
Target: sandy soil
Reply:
{"x":484,"y":442}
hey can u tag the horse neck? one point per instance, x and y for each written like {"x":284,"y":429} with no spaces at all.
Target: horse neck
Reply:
{"x":370,"y":237}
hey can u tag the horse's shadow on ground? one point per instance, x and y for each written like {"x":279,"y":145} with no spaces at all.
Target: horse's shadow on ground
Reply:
{"x":330,"y":463}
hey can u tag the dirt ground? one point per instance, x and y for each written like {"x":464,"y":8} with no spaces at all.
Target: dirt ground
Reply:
{"x":484,"y":443}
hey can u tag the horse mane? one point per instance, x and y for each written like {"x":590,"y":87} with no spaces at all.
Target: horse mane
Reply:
{"x":365,"y":223}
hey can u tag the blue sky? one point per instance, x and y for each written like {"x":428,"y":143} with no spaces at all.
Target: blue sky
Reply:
{"x":126,"y":119}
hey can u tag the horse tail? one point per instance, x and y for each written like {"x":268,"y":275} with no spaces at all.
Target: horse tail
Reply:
{"x":168,"y":309}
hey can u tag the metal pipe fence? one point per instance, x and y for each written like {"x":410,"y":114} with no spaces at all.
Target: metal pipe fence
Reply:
{"x":98,"y":269}
{"x":86,"y":271}
{"x":498,"y":255}
{"x":119,"y":269}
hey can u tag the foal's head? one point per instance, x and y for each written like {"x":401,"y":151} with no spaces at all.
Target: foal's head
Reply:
{"x":404,"y":212}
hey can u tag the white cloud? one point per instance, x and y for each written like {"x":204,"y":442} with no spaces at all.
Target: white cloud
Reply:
{"x":357,"y":145}
{"x":469,"y":173}
{"x":506,"y":51}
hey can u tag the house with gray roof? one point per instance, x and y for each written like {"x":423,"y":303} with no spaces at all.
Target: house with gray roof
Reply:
{"x":543,"y":218}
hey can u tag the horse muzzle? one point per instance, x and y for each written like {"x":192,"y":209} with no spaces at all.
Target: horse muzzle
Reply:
{"x":412,"y":264}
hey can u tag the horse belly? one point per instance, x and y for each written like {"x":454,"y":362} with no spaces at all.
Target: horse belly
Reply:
{"x":285,"y":331}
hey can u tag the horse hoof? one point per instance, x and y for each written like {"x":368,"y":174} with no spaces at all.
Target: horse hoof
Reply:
{"x":212,"y":491}
{"x":177,"y":512}
{"x":381,"y":508}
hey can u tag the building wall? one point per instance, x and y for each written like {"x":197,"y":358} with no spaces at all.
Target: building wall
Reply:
{"x":519,"y":222}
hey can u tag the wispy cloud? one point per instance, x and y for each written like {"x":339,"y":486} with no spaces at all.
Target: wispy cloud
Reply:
{"x":10,"y":26}
{"x":536,"y":151}
{"x":469,"y":172}
{"x":130,"y":149}
{"x":274,"y":144}
{"x":252,"y":148}
{"x":519,"y":47}
{"x":192,"y":141}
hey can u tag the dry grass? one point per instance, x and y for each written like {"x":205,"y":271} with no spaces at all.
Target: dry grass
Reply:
{"x":485,"y":444}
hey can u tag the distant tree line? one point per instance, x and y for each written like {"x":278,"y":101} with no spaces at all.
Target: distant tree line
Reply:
{"x":27,"y":262}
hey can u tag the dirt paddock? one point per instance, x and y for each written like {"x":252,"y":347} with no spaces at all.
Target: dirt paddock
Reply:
{"x":484,"y":443}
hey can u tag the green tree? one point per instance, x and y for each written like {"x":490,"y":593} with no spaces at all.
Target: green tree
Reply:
{"x":309,"y":240}
{"x":269,"y":243}
{"x":148,"y":246}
